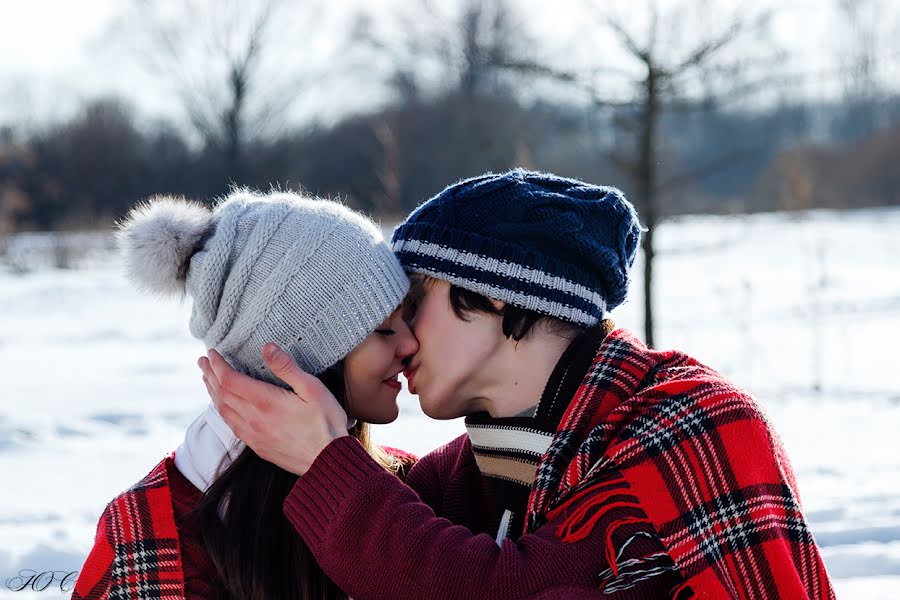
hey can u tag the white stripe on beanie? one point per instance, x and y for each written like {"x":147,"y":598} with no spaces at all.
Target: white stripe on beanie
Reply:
{"x":500,"y":267}
{"x":527,"y":301}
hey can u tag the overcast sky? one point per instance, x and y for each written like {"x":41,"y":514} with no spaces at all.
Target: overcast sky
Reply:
{"x":53,"y":53}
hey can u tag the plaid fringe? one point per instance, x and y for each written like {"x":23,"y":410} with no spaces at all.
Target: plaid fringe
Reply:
{"x":669,"y":437}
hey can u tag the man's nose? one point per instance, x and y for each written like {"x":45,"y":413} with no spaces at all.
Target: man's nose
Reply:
{"x":408,"y":345}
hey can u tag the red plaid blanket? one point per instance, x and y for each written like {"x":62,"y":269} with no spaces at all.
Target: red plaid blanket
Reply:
{"x":136,"y":553}
{"x":697,"y":455}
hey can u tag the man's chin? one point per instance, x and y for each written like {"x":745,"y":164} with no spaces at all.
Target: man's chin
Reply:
{"x":436,"y":411}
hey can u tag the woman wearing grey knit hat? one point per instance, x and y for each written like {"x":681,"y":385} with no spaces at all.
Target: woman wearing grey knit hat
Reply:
{"x":318,"y":280}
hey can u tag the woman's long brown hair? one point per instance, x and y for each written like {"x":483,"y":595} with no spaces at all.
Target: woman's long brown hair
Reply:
{"x":256,"y":552}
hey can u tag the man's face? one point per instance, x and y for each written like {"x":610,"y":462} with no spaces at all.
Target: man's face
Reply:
{"x":451,"y":372}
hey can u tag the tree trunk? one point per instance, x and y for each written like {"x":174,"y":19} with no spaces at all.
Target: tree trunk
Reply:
{"x":233,"y":126}
{"x":647,"y":190}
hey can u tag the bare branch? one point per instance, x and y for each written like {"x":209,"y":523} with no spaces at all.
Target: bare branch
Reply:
{"x":652,"y":27}
{"x":710,"y":168}
{"x":526,"y":67}
{"x":628,"y":165}
{"x":706,"y":50}
{"x":642,"y":53}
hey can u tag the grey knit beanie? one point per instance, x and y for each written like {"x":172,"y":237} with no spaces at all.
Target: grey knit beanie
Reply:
{"x":308,"y":274}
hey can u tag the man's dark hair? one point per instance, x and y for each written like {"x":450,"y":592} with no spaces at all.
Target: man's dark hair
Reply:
{"x":517,"y":322}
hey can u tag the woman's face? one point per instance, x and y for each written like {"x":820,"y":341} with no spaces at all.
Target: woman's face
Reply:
{"x":372,"y":369}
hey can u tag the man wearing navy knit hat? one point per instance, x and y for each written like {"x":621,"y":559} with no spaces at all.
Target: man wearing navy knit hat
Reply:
{"x":592,"y":465}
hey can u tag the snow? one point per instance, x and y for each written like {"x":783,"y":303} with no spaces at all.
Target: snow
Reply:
{"x":100,"y":381}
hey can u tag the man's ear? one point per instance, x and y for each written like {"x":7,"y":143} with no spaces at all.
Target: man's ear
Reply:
{"x":499,"y":305}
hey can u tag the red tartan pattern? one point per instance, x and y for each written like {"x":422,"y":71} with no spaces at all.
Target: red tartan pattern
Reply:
{"x":700,"y":459}
{"x":136,"y":553}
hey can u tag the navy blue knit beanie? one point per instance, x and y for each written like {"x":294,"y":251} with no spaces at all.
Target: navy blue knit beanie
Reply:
{"x":558,"y":246}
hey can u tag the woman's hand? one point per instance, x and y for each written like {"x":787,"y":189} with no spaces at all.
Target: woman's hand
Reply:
{"x":286,"y":428}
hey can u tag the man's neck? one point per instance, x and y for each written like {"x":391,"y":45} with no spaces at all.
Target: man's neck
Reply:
{"x":508,"y":450}
{"x":522,"y":371}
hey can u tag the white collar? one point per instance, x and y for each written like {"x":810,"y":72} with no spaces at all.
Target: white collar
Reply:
{"x":209,"y":447}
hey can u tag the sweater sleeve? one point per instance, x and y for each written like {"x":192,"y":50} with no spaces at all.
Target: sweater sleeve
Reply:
{"x":376,"y":539}
{"x":425,"y":478}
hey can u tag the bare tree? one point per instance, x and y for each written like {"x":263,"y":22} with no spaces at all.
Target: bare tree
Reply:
{"x":863,"y":37}
{"x":431,"y":47}
{"x":666,"y":63}
{"x":861,"y":24}
{"x":233,"y":65}
{"x":449,"y":50}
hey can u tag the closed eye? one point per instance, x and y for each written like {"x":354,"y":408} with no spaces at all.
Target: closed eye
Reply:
{"x":385,"y":332}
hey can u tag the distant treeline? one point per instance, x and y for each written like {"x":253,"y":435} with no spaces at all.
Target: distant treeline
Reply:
{"x":88,"y":170}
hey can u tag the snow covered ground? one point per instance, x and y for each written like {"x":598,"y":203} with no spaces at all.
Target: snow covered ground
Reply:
{"x":98,"y":381}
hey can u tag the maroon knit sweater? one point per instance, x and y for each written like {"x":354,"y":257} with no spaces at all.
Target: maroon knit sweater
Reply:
{"x":438,"y":531}
{"x":439,"y":539}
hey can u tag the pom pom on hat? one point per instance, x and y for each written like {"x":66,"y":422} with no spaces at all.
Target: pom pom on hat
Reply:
{"x":158,"y":238}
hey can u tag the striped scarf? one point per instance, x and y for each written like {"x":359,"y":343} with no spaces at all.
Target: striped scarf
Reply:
{"x":698,"y":457}
{"x":508,"y":450}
